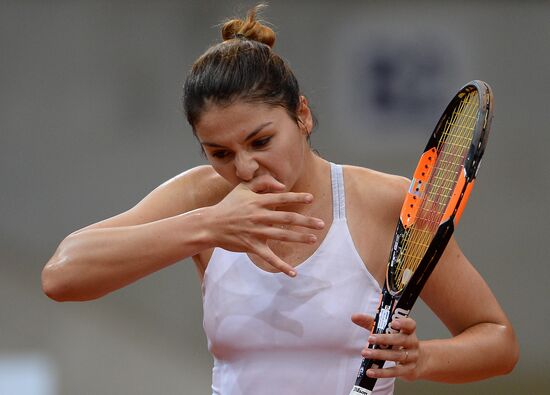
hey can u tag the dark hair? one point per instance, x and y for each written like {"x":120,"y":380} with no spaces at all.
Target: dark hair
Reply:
{"x":242,"y":67}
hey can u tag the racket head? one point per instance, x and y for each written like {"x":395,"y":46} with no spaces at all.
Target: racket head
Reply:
{"x":424,"y":229}
{"x":480,"y":133}
{"x":442,"y":181}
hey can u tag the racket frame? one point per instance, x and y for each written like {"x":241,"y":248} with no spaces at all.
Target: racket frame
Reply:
{"x":398,"y":304}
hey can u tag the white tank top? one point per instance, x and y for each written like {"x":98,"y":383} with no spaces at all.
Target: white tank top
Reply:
{"x":272,"y":334}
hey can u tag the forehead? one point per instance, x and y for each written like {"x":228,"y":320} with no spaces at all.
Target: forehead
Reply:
{"x":237,"y":118}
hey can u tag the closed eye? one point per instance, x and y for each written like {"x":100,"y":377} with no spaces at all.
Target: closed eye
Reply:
{"x":261,"y":142}
{"x":220,"y":154}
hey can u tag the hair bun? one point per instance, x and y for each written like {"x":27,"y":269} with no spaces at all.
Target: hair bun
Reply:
{"x":250,"y":28}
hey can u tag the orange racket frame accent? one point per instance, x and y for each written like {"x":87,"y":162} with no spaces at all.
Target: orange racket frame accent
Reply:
{"x":458,"y":199}
{"x":420,"y":178}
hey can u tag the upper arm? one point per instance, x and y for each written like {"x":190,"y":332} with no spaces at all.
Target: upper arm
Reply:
{"x":455,"y":291}
{"x":458,"y":295}
{"x":197,"y":187}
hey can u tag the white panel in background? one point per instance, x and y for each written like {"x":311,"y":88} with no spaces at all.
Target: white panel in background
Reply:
{"x":393,"y":74}
{"x":27,"y":374}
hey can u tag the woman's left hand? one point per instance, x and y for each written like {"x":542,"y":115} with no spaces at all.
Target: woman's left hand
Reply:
{"x":403,"y":348}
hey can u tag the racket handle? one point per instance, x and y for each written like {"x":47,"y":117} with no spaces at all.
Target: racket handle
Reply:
{"x":356,"y":390}
{"x":364,"y":384}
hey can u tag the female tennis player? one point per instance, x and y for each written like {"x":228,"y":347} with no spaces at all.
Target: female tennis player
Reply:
{"x":290,"y":248}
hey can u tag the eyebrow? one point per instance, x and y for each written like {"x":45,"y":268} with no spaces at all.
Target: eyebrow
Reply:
{"x":248,"y":136}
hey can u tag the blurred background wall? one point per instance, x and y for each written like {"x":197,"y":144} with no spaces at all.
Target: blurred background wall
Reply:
{"x":90,"y":122}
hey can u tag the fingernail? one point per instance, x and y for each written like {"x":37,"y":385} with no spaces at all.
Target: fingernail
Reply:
{"x":320,"y":223}
{"x":372,"y":338}
{"x":309,"y":198}
{"x":371,"y":373}
{"x":312,"y":238}
{"x":292,"y":273}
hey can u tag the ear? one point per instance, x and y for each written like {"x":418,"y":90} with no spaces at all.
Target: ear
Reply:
{"x":305,"y":118}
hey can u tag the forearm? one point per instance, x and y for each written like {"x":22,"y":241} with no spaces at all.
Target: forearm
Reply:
{"x":94,"y":262}
{"x":482,"y":351}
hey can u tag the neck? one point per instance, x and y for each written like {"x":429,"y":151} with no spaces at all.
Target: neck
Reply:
{"x":314,"y":179}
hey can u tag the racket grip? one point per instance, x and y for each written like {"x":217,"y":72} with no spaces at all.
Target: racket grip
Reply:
{"x":364,"y":384}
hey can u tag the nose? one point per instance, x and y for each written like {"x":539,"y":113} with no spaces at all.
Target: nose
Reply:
{"x":245,"y":166}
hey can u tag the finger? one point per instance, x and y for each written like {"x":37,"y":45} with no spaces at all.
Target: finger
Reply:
{"x":363,"y":320}
{"x":264,"y":184}
{"x":288,"y":235}
{"x":271,"y":258}
{"x":399,"y":356}
{"x":395,"y":371}
{"x":286,"y":198}
{"x":405,"y":325}
{"x":292,"y":219}
{"x":393,"y":340}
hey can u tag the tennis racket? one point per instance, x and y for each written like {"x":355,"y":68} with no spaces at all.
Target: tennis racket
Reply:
{"x":438,"y":193}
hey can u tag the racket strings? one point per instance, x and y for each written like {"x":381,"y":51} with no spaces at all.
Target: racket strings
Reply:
{"x":452,"y":149}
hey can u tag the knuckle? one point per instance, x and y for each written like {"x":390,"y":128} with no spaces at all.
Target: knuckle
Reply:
{"x":284,"y":236}
{"x":284,"y":197}
{"x":288,"y":218}
{"x":313,"y":222}
{"x":410,"y":342}
{"x":401,"y":339}
{"x":252,"y":246}
{"x":410,"y":323}
{"x":268,"y":260}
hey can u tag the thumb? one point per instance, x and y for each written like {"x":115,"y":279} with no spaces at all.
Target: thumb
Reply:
{"x":364,"y":320}
{"x":265,"y":184}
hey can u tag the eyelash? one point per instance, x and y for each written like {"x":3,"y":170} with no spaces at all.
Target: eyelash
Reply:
{"x":261,"y":142}
{"x":220,"y":154}
{"x":256,"y":144}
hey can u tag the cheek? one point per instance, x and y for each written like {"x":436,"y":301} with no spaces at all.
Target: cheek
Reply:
{"x":287,"y":160}
{"x":294,"y":147}
{"x":227,"y":172}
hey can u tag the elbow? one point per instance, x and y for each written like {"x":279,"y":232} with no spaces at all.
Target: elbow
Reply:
{"x":59,"y":287}
{"x":53,"y":293}
{"x":55,"y":274}
{"x":63,"y":283}
{"x":54,"y":284}
{"x":513,"y":356}
{"x":63,"y":277}
{"x":510,"y":351}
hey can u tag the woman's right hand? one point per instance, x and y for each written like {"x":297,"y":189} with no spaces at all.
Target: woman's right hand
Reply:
{"x":249,"y":216}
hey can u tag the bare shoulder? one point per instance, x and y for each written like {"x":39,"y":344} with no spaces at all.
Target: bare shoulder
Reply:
{"x":382,"y":193}
{"x":373,"y":204}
